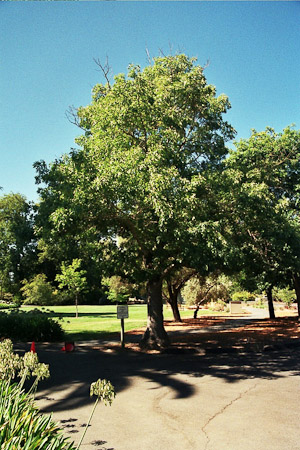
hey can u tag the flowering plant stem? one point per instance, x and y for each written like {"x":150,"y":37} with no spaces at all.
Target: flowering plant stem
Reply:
{"x":88,"y":423}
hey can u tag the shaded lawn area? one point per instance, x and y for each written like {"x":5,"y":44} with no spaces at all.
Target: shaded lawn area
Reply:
{"x":100,"y":321}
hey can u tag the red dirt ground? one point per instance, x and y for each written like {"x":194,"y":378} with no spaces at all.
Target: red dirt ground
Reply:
{"x":256,"y":335}
{"x":263,"y":332}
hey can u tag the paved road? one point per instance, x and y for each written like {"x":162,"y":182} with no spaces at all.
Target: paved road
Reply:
{"x":178,"y":401}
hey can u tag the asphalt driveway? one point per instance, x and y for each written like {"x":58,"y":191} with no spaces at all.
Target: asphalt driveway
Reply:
{"x":177,"y":401}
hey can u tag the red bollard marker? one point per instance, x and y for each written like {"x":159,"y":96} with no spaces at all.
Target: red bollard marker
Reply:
{"x":68,"y":347}
{"x":32,"y":348}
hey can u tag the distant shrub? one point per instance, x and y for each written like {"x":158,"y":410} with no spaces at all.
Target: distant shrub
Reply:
{"x":243,"y":296}
{"x":219,"y":306}
{"x":30,"y":326}
{"x":286,"y":295}
{"x":7,"y":297}
{"x":118,"y":290}
{"x":260,"y":303}
{"x":62,"y":297}
{"x":38,"y":291}
{"x":8,"y":305}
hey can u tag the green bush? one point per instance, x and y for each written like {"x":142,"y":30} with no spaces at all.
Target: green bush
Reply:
{"x":243,"y":296}
{"x":219,"y":306}
{"x":38,"y":291}
{"x":30,"y":326}
{"x":260,"y":303}
{"x":286,"y":295}
{"x":8,"y":305}
{"x":7,"y":297}
{"x":118,"y":290}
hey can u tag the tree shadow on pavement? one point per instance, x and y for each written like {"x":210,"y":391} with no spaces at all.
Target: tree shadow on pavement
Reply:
{"x":71,"y":374}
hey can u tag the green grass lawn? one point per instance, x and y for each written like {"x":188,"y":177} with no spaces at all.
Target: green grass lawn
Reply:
{"x":100,"y":322}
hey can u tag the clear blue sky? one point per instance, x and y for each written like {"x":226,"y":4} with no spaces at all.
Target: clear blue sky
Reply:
{"x":47,"y":51}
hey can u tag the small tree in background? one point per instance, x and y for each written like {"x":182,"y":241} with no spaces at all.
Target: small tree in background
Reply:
{"x":38,"y":291}
{"x":118,"y":290}
{"x":285,"y":295}
{"x":172,"y":287}
{"x":200,"y":290}
{"x":73,"y":279}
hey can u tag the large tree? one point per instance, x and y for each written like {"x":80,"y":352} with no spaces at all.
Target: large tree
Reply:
{"x":263,"y":174}
{"x":150,"y":154}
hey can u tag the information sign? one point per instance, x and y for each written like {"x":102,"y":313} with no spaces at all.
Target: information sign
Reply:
{"x":122,"y":311}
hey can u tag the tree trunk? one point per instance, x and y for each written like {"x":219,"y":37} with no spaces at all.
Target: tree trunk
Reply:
{"x":155,"y":336}
{"x":196,"y":311}
{"x":175,"y":310}
{"x":270,"y":302}
{"x":296,"y":281}
{"x":76,"y":305}
{"x":172,"y":300}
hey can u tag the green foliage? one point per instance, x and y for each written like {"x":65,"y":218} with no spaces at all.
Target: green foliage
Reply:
{"x":71,"y":277}
{"x":26,"y":366}
{"x":263,"y":177}
{"x":29,"y":326}
{"x":21,"y":424}
{"x":243,"y":296}
{"x":200,"y":290}
{"x":147,"y":171}
{"x":17,"y":243}
{"x":286,"y":295}
{"x":219,"y":306}
{"x":38,"y":291}
{"x":119,"y":290}
{"x":8,"y":305}
{"x":7,"y":297}
{"x":23,"y":427}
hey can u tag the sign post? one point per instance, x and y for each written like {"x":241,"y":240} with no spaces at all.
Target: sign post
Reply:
{"x":122,"y":313}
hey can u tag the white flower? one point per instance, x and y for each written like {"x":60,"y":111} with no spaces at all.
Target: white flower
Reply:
{"x":104,"y":390}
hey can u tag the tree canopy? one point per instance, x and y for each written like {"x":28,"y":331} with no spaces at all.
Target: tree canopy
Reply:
{"x":145,"y":171}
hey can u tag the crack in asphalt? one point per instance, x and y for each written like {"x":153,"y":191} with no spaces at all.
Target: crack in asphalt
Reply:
{"x":222,"y":410}
{"x":170,"y":420}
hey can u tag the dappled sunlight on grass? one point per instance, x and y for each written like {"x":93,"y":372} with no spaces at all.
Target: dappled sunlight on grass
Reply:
{"x":99,"y":321}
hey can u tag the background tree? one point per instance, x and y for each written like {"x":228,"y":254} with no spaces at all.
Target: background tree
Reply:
{"x":263,"y":175}
{"x":200,"y":290}
{"x":118,"y":289}
{"x":56,"y":246}
{"x":38,"y":291}
{"x":73,"y":279}
{"x":18,"y":257}
{"x":150,"y":154}
{"x":172,"y":287}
